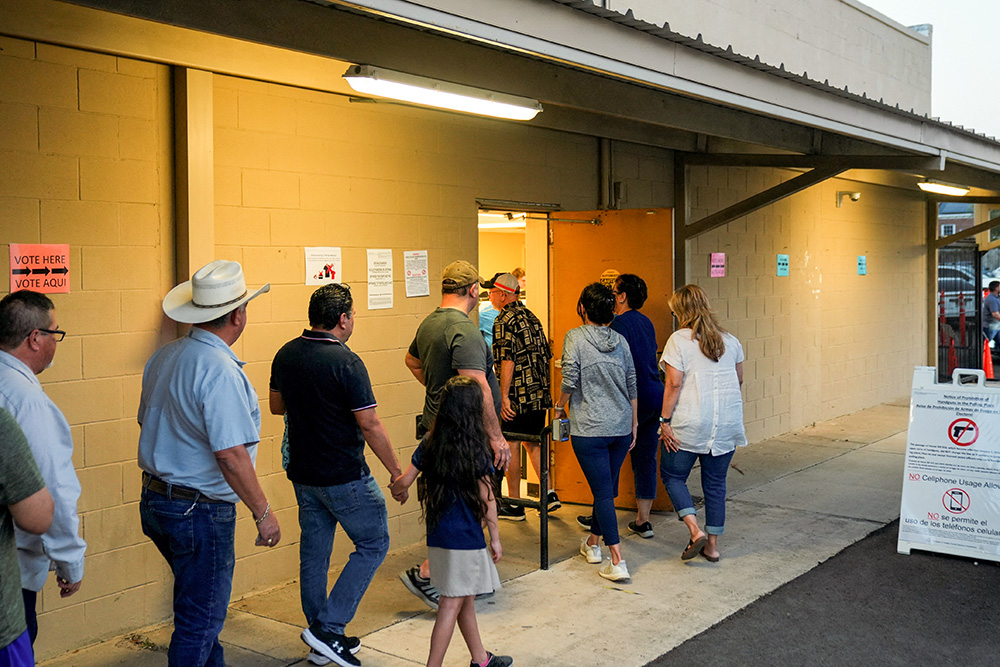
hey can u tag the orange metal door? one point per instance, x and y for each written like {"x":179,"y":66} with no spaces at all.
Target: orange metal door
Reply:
{"x":630,"y":241}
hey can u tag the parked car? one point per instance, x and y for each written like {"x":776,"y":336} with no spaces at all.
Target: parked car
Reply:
{"x":958,"y":283}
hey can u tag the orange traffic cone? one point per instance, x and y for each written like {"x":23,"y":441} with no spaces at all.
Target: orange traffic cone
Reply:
{"x":987,"y":360}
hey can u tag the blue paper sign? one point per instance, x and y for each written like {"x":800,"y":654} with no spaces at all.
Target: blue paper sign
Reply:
{"x":782,"y":265}
{"x":862,"y":265}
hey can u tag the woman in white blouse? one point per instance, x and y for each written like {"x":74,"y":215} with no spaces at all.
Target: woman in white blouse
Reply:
{"x":702,"y":416}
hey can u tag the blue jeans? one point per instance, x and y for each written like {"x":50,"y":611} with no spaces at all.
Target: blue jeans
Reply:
{"x":196,"y":539}
{"x":643,"y":456}
{"x":359,"y":508}
{"x":601,"y":460}
{"x":675,"y":468}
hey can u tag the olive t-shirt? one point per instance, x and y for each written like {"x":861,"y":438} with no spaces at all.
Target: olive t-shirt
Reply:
{"x":446,"y":341}
{"x":19,"y":479}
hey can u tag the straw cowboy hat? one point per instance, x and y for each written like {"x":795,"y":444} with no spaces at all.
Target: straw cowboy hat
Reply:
{"x":214,"y":290}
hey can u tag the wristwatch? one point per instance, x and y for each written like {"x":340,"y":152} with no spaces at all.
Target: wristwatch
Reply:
{"x":665,"y":420}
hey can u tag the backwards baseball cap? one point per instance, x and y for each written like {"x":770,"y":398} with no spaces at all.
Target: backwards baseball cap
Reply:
{"x":459,"y":274}
{"x":504,"y":281}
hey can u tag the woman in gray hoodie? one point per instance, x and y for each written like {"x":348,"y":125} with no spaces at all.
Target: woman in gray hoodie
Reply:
{"x":598,"y":383}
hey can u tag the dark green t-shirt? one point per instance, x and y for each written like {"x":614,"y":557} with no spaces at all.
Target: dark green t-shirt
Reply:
{"x":445,"y":341}
{"x":19,"y":479}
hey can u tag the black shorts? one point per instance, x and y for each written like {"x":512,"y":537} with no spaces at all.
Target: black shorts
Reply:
{"x":529,"y":423}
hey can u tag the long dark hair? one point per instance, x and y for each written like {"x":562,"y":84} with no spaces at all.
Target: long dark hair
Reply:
{"x":456,"y":452}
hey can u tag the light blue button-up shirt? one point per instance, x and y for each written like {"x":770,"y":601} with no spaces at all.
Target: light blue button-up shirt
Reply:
{"x":196,"y":401}
{"x":61,"y":547}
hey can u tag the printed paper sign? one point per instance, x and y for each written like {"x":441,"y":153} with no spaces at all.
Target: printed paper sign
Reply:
{"x":379,"y":279}
{"x":717,"y":265}
{"x":783,"y":265}
{"x":951,"y":475}
{"x":415,"y":267}
{"x":39,"y":267}
{"x":323,"y":266}
{"x":862,"y":265}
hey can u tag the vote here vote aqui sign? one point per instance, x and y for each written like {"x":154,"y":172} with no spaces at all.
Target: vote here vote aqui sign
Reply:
{"x":40,"y":267}
{"x":951,"y":474}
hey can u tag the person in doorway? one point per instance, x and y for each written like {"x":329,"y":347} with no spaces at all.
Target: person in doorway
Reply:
{"x":29,"y":336}
{"x":522,"y":355}
{"x":637,"y":329}
{"x":598,"y":385}
{"x":24,"y":499}
{"x":991,"y":313}
{"x":702,"y":416}
{"x":458,"y":501}
{"x":199,"y":421}
{"x":333,"y":485}
{"x":447,"y":344}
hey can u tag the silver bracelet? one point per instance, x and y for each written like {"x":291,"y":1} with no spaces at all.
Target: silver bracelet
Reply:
{"x":267,"y":510}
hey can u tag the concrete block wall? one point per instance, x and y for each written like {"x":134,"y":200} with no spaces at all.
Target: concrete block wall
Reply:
{"x":84,"y":160}
{"x":823,"y":341}
{"x":844,"y":41}
{"x":298,"y":168}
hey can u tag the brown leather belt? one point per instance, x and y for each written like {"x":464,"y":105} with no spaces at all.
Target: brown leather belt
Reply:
{"x":175,"y":491}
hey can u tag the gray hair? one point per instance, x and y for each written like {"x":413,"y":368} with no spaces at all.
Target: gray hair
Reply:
{"x":21,"y":313}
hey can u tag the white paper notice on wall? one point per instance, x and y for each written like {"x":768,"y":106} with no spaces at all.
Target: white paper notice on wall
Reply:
{"x":379,"y":279}
{"x":951,"y":475}
{"x":323,"y":266}
{"x":415,"y":268}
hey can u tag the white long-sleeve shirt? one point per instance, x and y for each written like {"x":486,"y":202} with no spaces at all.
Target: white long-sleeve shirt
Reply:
{"x":60,"y":548}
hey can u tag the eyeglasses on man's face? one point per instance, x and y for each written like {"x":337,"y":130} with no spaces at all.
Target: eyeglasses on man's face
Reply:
{"x":58,"y":334}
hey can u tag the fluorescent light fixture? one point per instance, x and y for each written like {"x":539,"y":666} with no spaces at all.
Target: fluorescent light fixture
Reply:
{"x":509,"y":224}
{"x":939,"y":188}
{"x":440,"y":94}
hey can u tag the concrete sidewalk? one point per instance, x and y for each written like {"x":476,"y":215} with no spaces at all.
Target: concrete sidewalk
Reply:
{"x":794,"y":501}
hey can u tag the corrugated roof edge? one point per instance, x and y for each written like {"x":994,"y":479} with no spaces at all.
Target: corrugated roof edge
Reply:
{"x":664,"y":32}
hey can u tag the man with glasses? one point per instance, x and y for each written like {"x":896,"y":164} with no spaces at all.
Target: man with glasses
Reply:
{"x":522,"y":353}
{"x":28,"y":338}
{"x":324,"y":390}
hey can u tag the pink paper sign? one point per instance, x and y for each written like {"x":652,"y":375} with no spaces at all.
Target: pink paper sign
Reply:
{"x":717,"y":265}
{"x":41,"y":267}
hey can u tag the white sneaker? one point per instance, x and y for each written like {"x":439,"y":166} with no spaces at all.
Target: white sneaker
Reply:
{"x":613,"y":572}
{"x":591,"y":553}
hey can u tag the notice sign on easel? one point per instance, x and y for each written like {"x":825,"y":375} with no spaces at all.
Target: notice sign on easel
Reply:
{"x":951,"y":476}
{"x":39,"y":267}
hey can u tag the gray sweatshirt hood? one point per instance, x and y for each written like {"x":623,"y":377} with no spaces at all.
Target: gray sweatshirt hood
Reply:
{"x":604,"y":339}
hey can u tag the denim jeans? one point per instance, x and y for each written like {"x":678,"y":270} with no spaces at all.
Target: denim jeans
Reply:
{"x":643,"y":456}
{"x":601,"y":460}
{"x":196,"y":539}
{"x":359,"y":508}
{"x":675,"y":468}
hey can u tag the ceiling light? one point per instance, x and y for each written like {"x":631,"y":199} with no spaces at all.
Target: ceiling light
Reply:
{"x":440,"y":94}
{"x":939,"y":188}
{"x":509,"y":224}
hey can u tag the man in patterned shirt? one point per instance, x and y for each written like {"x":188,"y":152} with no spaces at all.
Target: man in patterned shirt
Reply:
{"x":522,"y":355}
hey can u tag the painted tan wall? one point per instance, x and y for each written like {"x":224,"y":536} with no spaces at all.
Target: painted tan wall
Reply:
{"x":500,"y":252}
{"x":844,"y":41}
{"x":84,"y":160}
{"x":823,"y":341}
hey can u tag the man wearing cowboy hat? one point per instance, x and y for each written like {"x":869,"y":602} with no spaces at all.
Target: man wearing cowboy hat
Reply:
{"x":200,"y":424}
{"x":448,"y":343}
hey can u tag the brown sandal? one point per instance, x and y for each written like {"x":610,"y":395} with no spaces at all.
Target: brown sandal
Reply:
{"x":693,"y":547}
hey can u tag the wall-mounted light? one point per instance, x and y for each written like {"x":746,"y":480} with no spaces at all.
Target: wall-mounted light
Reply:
{"x":939,"y":188}
{"x":439,"y":94}
{"x":853,"y":196}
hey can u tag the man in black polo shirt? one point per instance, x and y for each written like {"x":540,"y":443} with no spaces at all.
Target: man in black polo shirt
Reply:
{"x":324,"y":388}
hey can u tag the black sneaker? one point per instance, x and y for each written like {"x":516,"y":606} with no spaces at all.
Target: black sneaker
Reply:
{"x":510,"y":512}
{"x":585,"y":521}
{"x":330,"y":645}
{"x":420,"y":587}
{"x":554,"y":503}
{"x":644,"y":529}
{"x":495,"y":661}
{"x":353,"y":645}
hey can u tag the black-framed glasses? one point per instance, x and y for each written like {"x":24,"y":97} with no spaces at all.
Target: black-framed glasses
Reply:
{"x":58,"y":333}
